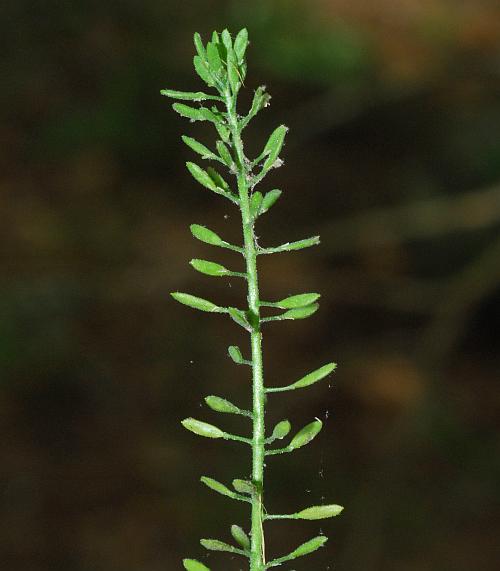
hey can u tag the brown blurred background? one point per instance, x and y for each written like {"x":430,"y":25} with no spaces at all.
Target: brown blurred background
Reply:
{"x":393,"y":156}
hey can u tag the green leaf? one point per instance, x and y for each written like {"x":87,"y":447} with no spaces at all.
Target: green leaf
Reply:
{"x":281,"y":430}
{"x":188,"y":95}
{"x":200,"y":47}
{"x":314,"y":377}
{"x":274,"y":145}
{"x":233,"y":73}
{"x":239,"y":317}
{"x":216,"y":486}
{"x":213,"y":58}
{"x":240,"y":537}
{"x":300,"y":312}
{"x":256,"y":203}
{"x":209,"y":268}
{"x":216,"y":545}
{"x":243,"y":486}
{"x":193,"y":565}
{"x":224,"y":154}
{"x":195,"y":302}
{"x":227,"y":41}
{"x":240,"y":45}
{"x":306,"y":434}
{"x":201,"y":67}
{"x":269,"y":199}
{"x":205,"y":235}
{"x":235,"y":354}
{"x":300,"y":300}
{"x":215,"y":37}
{"x":199,"y":148}
{"x":202,"y":428}
{"x":222,"y":405}
{"x":320,"y":512}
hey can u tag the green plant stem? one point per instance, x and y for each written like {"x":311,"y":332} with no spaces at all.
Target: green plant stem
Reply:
{"x":257,"y":551}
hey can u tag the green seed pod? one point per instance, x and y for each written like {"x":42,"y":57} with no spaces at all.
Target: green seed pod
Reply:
{"x":202,"y":428}
{"x":309,"y":547}
{"x":301,"y":312}
{"x":307,"y":434}
{"x":300,"y":300}
{"x":209,"y":268}
{"x":274,"y":145}
{"x":281,"y":430}
{"x":216,"y":545}
{"x":186,"y":95}
{"x":239,"y":317}
{"x":199,"y":148}
{"x":235,"y":354}
{"x":255,"y":203}
{"x":269,"y":199}
{"x":205,"y":235}
{"x":221,"y":405}
{"x":224,"y":154}
{"x":320,"y":512}
{"x":243,"y":486}
{"x":193,"y":565}
{"x":201,"y":176}
{"x":216,"y":486}
{"x":240,"y":537}
{"x":195,"y":302}
{"x":315,"y":376}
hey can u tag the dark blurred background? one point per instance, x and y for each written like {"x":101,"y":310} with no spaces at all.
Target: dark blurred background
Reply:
{"x":393,"y":156}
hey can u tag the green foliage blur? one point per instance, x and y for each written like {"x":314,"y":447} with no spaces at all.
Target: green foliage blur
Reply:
{"x":393,"y":157}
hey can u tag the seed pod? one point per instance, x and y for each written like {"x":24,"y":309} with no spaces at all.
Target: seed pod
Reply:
{"x":203,"y":234}
{"x":216,"y":545}
{"x":299,"y":300}
{"x":239,"y":317}
{"x":201,"y":176}
{"x":209,"y":268}
{"x":309,"y":547}
{"x":281,"y":430}
{"x":255,"y":203}
{"x":243,"y":486}
{"x":301,"y":312}
{"x":240,"y":537}
{"x":224,"y":154}
{"x":221,"y":405}
{"x":202,"y":428}
{"x":269,"y":199}
{"x":235,"y":354}
{"x":216,"y":486}
{"x":199,"y":148}
{"x":195,"y":302}
{"x":193,"y":565}
{"x":314,"y":377}
{"x":186,"y":95}
{"x":320,"y":512}
{"x":274,"y":145}
{"x":305,"y":435}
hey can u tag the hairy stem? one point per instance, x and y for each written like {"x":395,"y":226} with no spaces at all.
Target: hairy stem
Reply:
{"x":257,"y":555}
